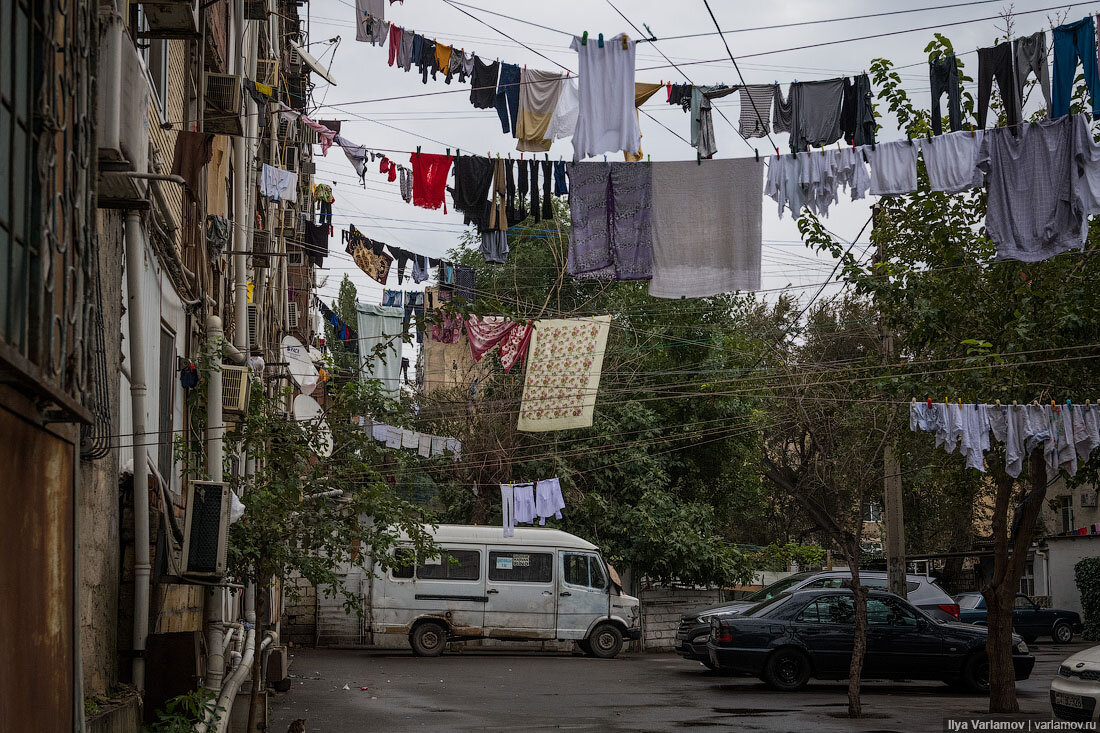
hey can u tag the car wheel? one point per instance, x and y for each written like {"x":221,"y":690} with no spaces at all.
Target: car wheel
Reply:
{"x":1062,"y":633}
{"x":976,"y":673}
{"x":787,"y":669}
{"x":428,"y":639}
{"x":605,"y":641}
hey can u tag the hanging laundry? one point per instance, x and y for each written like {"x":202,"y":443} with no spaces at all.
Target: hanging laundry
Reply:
{"x":538,"y":98}
{"x":498,"y":206}
{"x":448,"y":330}
{"x":494,"y":247}
{"x":642,"y":92}
{"x":611,"y":232}
{"x":680,"y":94}
{"x":857,"y":113}
{"x":347,"y":336}
{"x":952,"y":160}
{"x":486,"y":332}
{"x":702,"y":118}
{"x":410,"y":439}
{"x":706,"y":227}
{"x":783,"y":110}
{"x":524,"y":503}
{"x":393,"y":298}
{"x":547,"y":206}
{"x":424,"y":446}
{"x":424,"y":58}
{"x":420,"y":268}
{"x":429,"y":174}
{"x":1031,"y":57}
{"x":561,"y":187}
{"x":393,"y":437}
{"x":1035,"y":208}
{"x":533,"y":177}
{"x":460,"y":65}
{"x":394,"y":50}
{"x":401,"y":257}
{"x":483,"y":83}
{"x":893,"y":167}
{"x":369,"y":255}
{"x":606,"y":122}
{"x":464,"y":283}
{"x":316,"y":242}
{"x":325,"y":136}
{"x":380,"y":346}
{"x":442,"y":59}
{"x":507,"y":97}
{"x":756,"y":109}
{"x":784,"y":184}
{"x":563,"y":123}
{"x":414,"y":307}
{"x":356,"y":154}
{"x":322,"y":192}
{"x":278,"y":184}
{"x":997,"y":62}
{"x":473,"y":179}
{"x":548,"y":500}
{"x":563,"y":373}
{"x":507,"y":510}
{"x":447,"y":274}
{"x":1074,"y":41}
{"x":513,"y":348}
{"x":409,"y":49}
{"x":943,"y":75}
{"x":379,"y":32}
{"x":816,"y":108}
{"x":438,"y":444}
{"x":364,"y":9}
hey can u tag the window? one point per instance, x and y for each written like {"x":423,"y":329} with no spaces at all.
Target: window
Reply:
{"x":1023,"y":602}
{"x":829,"y":610}
{"x":888,"y":613}
{"x":582,"y":569}
{"x":166,"y":387}
{"x":1065,"y":509}
{"x":970,"y":600}
{"x":1027,"y":580}
{"x":154,"y":55}
{"x":402,"y":564}
{"x":521,"y":567}
{"x":452,"y":565}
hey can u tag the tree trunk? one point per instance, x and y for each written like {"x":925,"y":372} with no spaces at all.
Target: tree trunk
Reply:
{"x":256,"y":722}
{"x":859,"y":641}
{"x":998,"y":649}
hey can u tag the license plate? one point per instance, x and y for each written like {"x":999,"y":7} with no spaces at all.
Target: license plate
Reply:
{"x":1070,"y":701}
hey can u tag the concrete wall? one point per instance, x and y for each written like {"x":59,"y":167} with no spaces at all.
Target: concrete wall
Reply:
{"x":98,"y":497}
{"x":661,"y":611}
{"x":1062,"y":554}
{"x":300,"y":618}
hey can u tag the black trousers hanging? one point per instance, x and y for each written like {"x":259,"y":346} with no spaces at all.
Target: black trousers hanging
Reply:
{"x":997,"y":62}
{"x":943,"y":75}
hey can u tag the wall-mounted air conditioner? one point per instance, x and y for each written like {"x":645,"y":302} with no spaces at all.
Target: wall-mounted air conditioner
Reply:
{"x":288,"y":131}
{"x":261,"y":246}
{"x":292,"y":317}
{"x":253,"y":327}
{"x":265,"y":69}
{"x":206,"y":531}
{"x":171,"y":18}
{"x":235,"y":384}
{"x":222,"y":113}
{"x":255,"y":10}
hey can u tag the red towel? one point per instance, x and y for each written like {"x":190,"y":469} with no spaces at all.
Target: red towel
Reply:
{"x":430,"y":179}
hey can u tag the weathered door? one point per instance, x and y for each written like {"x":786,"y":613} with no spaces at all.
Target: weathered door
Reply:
{"x":582,"y":593}
{"x":520,"y":593}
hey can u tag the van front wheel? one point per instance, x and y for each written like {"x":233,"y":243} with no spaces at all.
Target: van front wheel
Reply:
{"x":605,"y":641}
{"x":428,"y":639}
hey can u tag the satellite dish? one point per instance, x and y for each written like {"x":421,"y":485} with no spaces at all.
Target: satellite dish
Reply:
{"x":316,"y":355}
{"x":306,"y":409}
{"x":300,"y":364}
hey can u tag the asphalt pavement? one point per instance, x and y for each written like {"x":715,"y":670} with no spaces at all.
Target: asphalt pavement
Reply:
{"x":531,"y":691}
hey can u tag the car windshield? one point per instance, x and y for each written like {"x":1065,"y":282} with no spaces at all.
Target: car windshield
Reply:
{"x":777,"y":587}
{"x":764,"y":607}
{"x":968,"y":600}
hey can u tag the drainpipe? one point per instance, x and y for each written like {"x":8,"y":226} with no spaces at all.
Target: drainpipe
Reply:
{"x":242,"y":212}
{"x":135,"y":257}
{"x":215,"y":432}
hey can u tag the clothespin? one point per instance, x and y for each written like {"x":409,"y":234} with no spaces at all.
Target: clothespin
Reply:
{"x":998,"y":404}
{"x":626,"y":42}
{"x":971,"y":129}
{"x":1069,"y":404}
{"x":1014,"y":403}
{"x":547,"y":156}
{"x":929,"y":403}
{"x":448,"y":151}
{"x":1088,"y":404}
{"x":584,"y":38}
{"x":647,"y":158}
{"x":757,"y":154}
{"x":418,"y":150}
{"x":600,"y":42}
{"x":960,"y":401}
{"x":945,"y":401}
{"x":605,"y":157}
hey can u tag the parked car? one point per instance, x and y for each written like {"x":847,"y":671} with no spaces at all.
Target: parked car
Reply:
{"x":540,"y":585}
{"x":1075,"y":691}
{"x":691,"y":636}
{"x":1029,"y":620}
{"x":794,"y":636}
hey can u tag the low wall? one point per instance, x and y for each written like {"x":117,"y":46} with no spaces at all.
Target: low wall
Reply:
{"x":661,"y":611}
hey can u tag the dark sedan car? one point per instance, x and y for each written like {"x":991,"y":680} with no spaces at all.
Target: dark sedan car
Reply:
{"x":1029,"y":620}
{"x":795,"y":636}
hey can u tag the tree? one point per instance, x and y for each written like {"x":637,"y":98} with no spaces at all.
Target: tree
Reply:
{"x":316,"y":501}
{"x":343,"y":306}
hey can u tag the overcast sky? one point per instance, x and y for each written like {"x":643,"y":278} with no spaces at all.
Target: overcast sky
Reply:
{"x":448,"y":120}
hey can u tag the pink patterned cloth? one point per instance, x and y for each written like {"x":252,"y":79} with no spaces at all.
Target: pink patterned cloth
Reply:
{"x":485,"y":333}
{"x":514,"y":346}
{"x":325,"y":135}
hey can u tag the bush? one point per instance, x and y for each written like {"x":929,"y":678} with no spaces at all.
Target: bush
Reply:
{"x":1086,"y":573}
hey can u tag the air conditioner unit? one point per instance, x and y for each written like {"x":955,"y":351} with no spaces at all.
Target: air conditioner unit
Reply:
{"x":288,"y":132}
{"x":206,"y":530}
{"x":222,"y":114}
{"x":1088,"y":499}
{"x":265,"y":68}
{"x":288,"y":219}
{"x":292,"y":317}
{"x":261,"y":245}
{"x":307,"y":134}
{"x":290,"y":158}
{"x":255,"y":10}
{"x":308,"y":168}
{"x":235,"y":386}
{"x":295,"y":258}
{"x":253,"y":328}
{"x":171,"y":18}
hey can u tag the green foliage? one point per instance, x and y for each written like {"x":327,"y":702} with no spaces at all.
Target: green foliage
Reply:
{"x":287,"y":528}
{"x":343,"y":306}
{"x":1086,"y":574}
{"x":777,"y":557}
{"x":180,"y":714}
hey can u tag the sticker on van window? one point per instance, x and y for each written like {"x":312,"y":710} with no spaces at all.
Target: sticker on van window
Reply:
{"x":504,"y":563}
{"x":437,"y":560}
{"x":521,"y":561}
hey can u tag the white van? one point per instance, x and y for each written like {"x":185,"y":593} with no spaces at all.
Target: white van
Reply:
{"x":540,"y":585}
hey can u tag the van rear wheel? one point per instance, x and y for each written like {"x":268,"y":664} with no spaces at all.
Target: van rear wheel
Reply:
{"x":584,"y":646}
{"x":605,"y":641}
{"x":428,"y":639}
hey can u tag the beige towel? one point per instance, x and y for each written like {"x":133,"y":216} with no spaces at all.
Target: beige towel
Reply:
{"x":538,"y":97}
